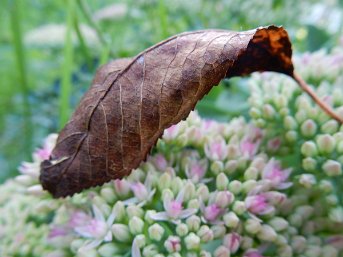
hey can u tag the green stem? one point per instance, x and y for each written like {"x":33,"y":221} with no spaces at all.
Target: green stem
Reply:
{"x":83,"y":44}
{"x":22,"y":74}
{"x":67,"y":66}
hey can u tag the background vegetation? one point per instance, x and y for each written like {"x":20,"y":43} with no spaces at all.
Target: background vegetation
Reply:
{"x":50,"y":51}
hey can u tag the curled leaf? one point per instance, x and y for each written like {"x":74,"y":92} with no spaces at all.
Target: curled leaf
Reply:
{"x":132,"y":101}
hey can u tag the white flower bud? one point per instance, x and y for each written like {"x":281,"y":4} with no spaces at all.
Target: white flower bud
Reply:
{"x":193,"y":223}
{"x":203,"y":192}
{"x":205,"y":234}
{"x":309,"y":164}
{"x":247,"y":243}
{"x":249,"y":185}
{"x":36,"y":190}
{"x":119,"y":210}
{"x":278,"y":223}
{"x":239,"y":207}
{"x":332,"y":168}
{"x":164,"y":181}
{"x":108,"y":249}
{"x":218,"y":231}
{"x":281,"y":240}
{"x":289,"y":123}
{"x":193,"y":204}
{"x":233,"y":151}
{"x":25,"y":180}
{"x":87,"y":253}
{"x":231,"y":220}
{"x":173,"y":244}
{"x":136,"y":225}
{"x":189,"y":191}
{"x":148,"y":215}
{"x":232,"y":242}
{"x":298,"y":244}
{"x":222,"y":251}
{"x":313,"y":251}
{"x":156,"y":232}
{"x":231,"y":166}
{"x":330,"y":127}
{"x":181,"y":229}
{"x":309,"y":149}
{"x":235,"y":186}
{"x":305,"y":211}
{"x":308,"y":128}
{"x":336,"y":215}
{"x":252,"y":226}
{"x":251,"y":173}
{"x":267,"y":233}
{"x":340,"y":147}
{"x":330,"y":251}
{"x":285,"y":251}
{"x":204,"y":253}
{"x":140,"y":240}
{"x":295,"y":219}
{"x":326,"y":186}
{"x":176,"y":185}
{"x":167,"y":195}
{"x":268,"y":111}
{"x":192,"y":241}
{"x":222,"y":181}
{"x":291,"y":136}
{"x":150,"y":250}
{"x":326,"y":143}
{"x":121,"y":232}
{"x":217,"y":167}
{"x":107,"y":193}
{"x":307,"y":180}
{"x":122,"y":187}
{"x":300,"y":116}
{"x":224,"y":198}
{"x":255,"y":113}
{"x":134,"y":211}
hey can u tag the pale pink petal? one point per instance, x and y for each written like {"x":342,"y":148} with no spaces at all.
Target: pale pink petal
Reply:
{"x":159,"y":216}
{"x":187,"y":212}
{"x":135,"y":251}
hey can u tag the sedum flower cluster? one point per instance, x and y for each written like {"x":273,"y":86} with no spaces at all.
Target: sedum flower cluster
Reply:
{"x":270,"y":186}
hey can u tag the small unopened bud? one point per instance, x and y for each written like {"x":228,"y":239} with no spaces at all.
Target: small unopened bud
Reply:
{"x":326,"y":143}
{"x":235,"y":186}
{"x":231,"y":220}
{"x":285,"y":251}
{"x":308,"y":128}
{"x":336,"y":215}
{"x":193,"y":223}
{"x":249,"y":185}
{"x":140,"y":240}
{"x":307,"y":180}
{"x":332,"y":168}
{"x":232,"y":242}
{"x":313,"y":251}
{"x":222,"y":251}
{"x":251,"y":173}
{"x":340,"y":147}
{"x":156,"y":232}
{"x":119,"y":210}
{"x":36,"y":190}
{"x":203,"y":193}
{"x":121,"y":232}
{"x":224,"y":198}
{"x":255,"y":113}
{"x":330,"y":251}
{"x":167,"y":195}
{"x":309,"y":164}
{"x":247,"y":242}
{"x":204,"y":253}
{"x":150,"y":250}
{"x":205,"y":234}
{"x":326,"y":186}
{"x":291,"y":136}
{"x":192,"y":241}
{"x":268,"y":111}
{"x":181,"y":229}
{"x":173,"y":244}
{"x":122,"y":187}
{"x":222,"y":181}
{"x":309,"y":149}
{"x":164,"y":181}
{"x":108,"y":250}
{"x":278,"y":223}
{"x":134,"y":211}
{"x":218,"y":231}
{"x":217,"y":167}
{"x":176,"y":185}
{"x":289,"y":123}
{"x":298,"y":244}
{"x":330,"y":127}
{"x":193,"y":204}
{"x":252,"y":226}
{"x":239,"y":207}
{"x":295,"y":219}
{"x":231,"y":166}
{"x":267,"y":233}
{"x":136,"y":225}
{"x":108,"y":194}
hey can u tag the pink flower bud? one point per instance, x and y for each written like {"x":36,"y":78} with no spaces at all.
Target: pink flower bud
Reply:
{"x":232,"y":242}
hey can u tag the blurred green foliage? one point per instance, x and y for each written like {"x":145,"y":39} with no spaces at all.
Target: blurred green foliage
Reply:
{"x":50,"y":51}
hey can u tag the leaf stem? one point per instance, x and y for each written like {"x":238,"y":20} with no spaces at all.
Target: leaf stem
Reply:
{"x":67,"y":66}
{"x":22,"y":74}
{"x":315,"y":98}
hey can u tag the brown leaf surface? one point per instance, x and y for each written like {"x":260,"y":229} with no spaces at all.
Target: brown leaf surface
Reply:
{"x":132,"y":101}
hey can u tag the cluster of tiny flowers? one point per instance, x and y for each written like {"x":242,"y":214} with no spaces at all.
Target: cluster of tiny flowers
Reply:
{"x":269,"y":187}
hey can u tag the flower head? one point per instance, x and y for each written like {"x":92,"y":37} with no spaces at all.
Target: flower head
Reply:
{"x":278,"y":177}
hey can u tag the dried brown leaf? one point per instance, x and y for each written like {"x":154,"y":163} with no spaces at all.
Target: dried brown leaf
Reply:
{"x":132,"y":101}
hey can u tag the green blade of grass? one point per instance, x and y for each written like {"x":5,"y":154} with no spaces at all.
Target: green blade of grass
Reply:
{"x":64,"y":100}
{"x":15,"y":11}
